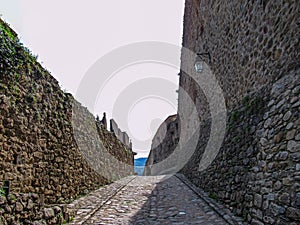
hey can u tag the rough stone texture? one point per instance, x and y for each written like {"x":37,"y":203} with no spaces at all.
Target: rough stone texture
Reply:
{"x":150,"y":200}
{"x":49,"y":143}
{"x":255,"y":173}
{"x":252,"y":43}
{"x":254,"y":48}
{"x":28,"y":209}
{"x":122,"y":136}
{"x":164,"y":142}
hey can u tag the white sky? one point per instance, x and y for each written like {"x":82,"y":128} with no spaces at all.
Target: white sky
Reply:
{"x":70,"y":36}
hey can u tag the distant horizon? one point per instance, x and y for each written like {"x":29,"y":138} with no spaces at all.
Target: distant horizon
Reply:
{"x":139,"y":165}
{"x":142,"y":158}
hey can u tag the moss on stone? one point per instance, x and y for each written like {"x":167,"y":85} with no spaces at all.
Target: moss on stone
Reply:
{"x":8,"y":31}
{"x":213,"y":195}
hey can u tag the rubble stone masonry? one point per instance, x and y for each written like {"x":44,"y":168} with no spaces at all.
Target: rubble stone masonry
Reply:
{"x":38,"y":150}
{"x":254,"y":48}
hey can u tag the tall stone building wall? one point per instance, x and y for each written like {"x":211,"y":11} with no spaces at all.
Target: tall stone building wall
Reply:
{"x":254,"y":49}
{"x":251,"y":43}
{"x":164,"y":142}
{"x":43,"y":129}
{"x":256,"y":172}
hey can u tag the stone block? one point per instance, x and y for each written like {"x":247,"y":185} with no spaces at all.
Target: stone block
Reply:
{"x":293,"y":213}
{"x":257,"y":200}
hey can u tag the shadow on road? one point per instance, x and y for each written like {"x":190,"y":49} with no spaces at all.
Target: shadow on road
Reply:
{"x":173,"y":202}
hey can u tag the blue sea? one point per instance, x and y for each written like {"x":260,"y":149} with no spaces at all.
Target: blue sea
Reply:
{"x":139,"y":165}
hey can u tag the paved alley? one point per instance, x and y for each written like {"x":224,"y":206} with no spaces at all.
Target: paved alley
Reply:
{"x":150,"y":200}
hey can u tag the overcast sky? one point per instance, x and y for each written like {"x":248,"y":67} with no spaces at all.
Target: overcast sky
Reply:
{"x":70,"y":36}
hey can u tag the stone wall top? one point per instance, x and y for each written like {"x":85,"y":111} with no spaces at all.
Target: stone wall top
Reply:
{"x":122,"y":136}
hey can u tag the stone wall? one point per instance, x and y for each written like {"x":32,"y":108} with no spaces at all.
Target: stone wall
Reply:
{"x":29,"y":209}
{"x":254,"y":46}
{"x":251,"y":43}
{"x":125,"y":139}
{"x":122,"y":136}
{"x":256,"y":172}
{"x":111,"y":143}
{"x":46,"y":137}
{"x":164,"y":142}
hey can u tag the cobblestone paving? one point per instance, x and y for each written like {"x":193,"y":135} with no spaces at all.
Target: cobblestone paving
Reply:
{"x":148,"y":200}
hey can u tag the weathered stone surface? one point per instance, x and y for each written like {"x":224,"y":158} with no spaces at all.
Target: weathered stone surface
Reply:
{"x":27,"y":209}
{"x":251,"y":44}
{"x":289,"y":126}
{"x":48,"y":213}
{"x":282,"y":156}
{"x":287,"y":116}
{"x":293,"y":146}
{"x":2,"y":200}
{"x":260,"y":161}
{"x":150,"y":200}
{"x":278,"y":137}
{"x":263,"y":141}
{"x":290,"y":135}
{"x":276,"y":209}
{"x":257,"y":200}
{"x":256,"y":222}
{"x":18,"y":207}
{"x":277,"y":185}
{"x":267,"y":123}
{"x":30,"y":204}
{"x":284,"y":198}
{"x":293,"y":213}
{"x":49,"y":143}
{"x":295,"y":157}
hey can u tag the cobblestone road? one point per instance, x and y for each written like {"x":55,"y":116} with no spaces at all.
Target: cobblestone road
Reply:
{"x":150,"y":200}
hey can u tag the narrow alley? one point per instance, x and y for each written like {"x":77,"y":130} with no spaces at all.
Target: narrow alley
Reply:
{"x":150,"y":200}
